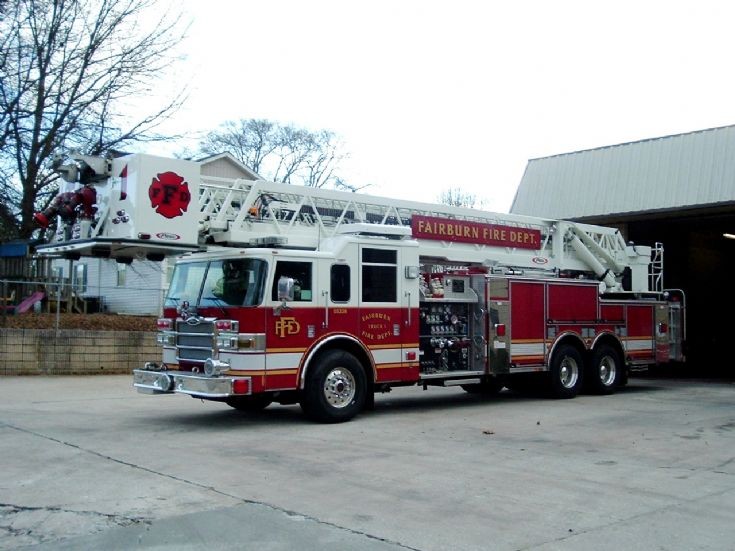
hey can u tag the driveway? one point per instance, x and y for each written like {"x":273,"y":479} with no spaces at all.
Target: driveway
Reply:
{"x":89,"y":463}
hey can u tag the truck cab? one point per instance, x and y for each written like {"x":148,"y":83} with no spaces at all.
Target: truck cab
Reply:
{"x":260,"y":321}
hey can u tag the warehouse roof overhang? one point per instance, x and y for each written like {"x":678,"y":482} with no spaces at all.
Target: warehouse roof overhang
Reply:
{"x":684,"y":173}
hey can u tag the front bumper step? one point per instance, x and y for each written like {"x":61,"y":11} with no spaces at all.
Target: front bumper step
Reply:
{"x":169,"y":382}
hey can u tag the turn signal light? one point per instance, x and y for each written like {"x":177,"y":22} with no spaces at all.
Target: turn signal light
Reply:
{"x":226,"y":325}
{"x":241,"y":386}
{"x":500,"y":330}
{"x":164,"y":324}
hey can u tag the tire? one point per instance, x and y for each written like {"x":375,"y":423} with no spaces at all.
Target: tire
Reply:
{"x":606,"y":371}
{"x":488,"y":387}
{"x":566,"y":372}
{"x":257,"y":402}
{"x":335,"y":389}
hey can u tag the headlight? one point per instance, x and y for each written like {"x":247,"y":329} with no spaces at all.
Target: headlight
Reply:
{"x":165,"y":339}
{"x":224,"y":343}
{"x":213,"y":368}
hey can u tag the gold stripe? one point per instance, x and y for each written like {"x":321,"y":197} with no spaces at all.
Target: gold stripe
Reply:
{"x":535,"y":357}
{"x":388,"y":366}
{"x":525,"y":341}
{"x":384,"y":346}
{"x":260,"y":372}
{"x":284,"y":350}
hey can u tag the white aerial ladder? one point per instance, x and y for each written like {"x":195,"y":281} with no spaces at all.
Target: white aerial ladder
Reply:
{"x":246,"y":213}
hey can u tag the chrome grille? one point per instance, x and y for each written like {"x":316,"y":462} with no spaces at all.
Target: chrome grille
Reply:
{"x":195,"y":343}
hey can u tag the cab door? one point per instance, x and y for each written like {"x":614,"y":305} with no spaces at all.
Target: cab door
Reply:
{"x":293,"y":327}
{"x":385,"y":310}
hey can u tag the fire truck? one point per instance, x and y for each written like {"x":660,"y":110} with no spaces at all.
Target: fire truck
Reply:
{"x":291,"y":294}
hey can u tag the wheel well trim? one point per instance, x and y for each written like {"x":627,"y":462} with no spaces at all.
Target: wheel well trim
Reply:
{"x":317,"y":347}
{"x":563,"y":338}
{"x":608,"y":337}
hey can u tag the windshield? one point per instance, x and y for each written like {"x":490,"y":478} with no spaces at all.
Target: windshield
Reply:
{"x":234,"y":282}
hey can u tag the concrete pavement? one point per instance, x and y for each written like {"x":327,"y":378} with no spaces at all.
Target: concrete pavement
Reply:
{"x":89,"y":463}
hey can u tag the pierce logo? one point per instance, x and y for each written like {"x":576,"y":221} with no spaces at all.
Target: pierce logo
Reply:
{"x":169,"y":194}
{"x":166,"y":235}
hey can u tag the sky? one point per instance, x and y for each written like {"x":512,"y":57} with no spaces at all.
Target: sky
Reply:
{"x":428,"y":96}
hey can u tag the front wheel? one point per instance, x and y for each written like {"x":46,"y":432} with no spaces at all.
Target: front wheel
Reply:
{"x":606,"y":371}
{"x":335,"y":388}
{"x":566,"y":372}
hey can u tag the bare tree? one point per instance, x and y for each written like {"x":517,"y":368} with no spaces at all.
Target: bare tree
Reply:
{"x":251,"y":141}
{"x":457,"y":197}
{"x":294,"y":147}
{"x":283,"y":153}
{"x":67,"y":69}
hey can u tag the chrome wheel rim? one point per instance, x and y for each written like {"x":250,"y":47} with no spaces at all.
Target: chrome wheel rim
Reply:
{"x":568,"y":372}
{"x":607,"y":370}
{"x":339,"y":388}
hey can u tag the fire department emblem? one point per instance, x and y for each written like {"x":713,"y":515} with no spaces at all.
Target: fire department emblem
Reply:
{"x":169,"y":194}
{"x":287,"y":326}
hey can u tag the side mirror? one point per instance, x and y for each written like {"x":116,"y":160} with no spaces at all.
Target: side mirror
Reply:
{"x":285,"y":293}
{"x":285,"y":288}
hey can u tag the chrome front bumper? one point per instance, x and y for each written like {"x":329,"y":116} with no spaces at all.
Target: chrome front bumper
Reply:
{"x":169,"y":382}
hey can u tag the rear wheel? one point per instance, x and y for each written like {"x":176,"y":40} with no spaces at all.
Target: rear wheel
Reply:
{"x":335,"y":388}
{"x":606,"y":370}
{"x":249,"y":403}
{"x":566,"y":372}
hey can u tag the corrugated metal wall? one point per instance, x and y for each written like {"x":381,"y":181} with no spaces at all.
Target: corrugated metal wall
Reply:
{"x":685,"y":170}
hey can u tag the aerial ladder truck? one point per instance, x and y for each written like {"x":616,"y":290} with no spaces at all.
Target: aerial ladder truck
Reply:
{"x":292,"y":294}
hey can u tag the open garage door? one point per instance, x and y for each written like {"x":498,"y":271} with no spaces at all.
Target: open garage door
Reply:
{"x":700,"y":260}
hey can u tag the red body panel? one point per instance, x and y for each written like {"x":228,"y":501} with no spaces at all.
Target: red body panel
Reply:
{"x":527,"y":311}
{"x":543,"y":312}
{"x":572,"y":303}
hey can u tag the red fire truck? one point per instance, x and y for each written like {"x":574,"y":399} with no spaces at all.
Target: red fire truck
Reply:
{"x":290,"y":294}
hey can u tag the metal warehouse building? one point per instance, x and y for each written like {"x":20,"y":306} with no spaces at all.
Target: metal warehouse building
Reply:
{"x":677,"y":190}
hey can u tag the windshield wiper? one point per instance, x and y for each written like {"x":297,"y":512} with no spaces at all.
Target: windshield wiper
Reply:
{"x":218,"y":303}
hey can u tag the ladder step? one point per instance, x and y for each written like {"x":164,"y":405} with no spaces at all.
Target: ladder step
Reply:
{"x":458,"y":382}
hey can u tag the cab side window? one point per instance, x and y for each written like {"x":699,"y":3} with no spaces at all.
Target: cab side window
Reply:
{"x":301,"y":273}
{"x":339,"y":283}
{"x":379,"y":275}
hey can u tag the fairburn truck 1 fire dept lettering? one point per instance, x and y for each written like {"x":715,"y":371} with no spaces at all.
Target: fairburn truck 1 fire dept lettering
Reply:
{"x":377,"y":326}
{"x":323,"y":298}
